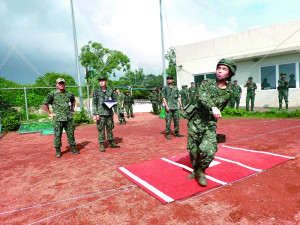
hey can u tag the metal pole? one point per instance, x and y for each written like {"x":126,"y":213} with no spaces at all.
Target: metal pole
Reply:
{"x":26,"y":105}
{"x":76,"y":55}
{"x":162,"y":45}
{"x":88,"y":96}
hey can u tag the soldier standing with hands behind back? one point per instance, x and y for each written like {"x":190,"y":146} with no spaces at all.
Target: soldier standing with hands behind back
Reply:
{"x":171,"y":98}
{"x":251,"y":86}
{"x":283,"y":90}
{"x":63,"y":103}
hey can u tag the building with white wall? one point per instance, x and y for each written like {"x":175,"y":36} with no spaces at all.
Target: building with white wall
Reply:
{"x":262,"y":53}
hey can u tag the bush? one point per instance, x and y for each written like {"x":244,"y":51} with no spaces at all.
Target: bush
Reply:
{"x":11,"y":121}
{"x":81,"y":117}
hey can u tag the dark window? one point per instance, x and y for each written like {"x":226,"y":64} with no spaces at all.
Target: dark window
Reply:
{"x":211,"y":76}
{"x":198,"y":79}
{"x":268,"y":77}
{"x":290,"y":70}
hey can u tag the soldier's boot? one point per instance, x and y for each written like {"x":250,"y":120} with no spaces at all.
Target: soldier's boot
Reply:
{"x":132,"y":116}
{"x":287,"y":106}
{"x":280,"y":106}
{"x":201,"y":178}
{"x":169,"y":136}
{"x":74,"y":150}
{"x":58,"y":152}
{"x":112,"y":144}
{"x":177,"y":134}
{"x":102,"y":148}
{"x":191,"y":176}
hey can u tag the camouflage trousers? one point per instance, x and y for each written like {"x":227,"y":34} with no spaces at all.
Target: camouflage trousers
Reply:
{"x":283,"y":95}
{"x":58,"y":129}
{"x":202,"y":146}
{"x":235,"y":102}
{"x":184,"y":102}
{"x":108,"y":123}
{"x":129,"y":110}
{"x":168,"y":116}
{"x":248,"y":98}
{"x":155,"y":107}
{"x":120,"y":112}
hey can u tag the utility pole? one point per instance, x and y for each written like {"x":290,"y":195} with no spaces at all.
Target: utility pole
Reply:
{"x":76,"y":56}
{"x":162,"y":45}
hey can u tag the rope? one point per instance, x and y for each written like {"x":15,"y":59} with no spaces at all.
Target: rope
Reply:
{"x":64,"y":200}
{"x":25,"y":59}
{"x":72,"y":209}
{"x":23,"y":34}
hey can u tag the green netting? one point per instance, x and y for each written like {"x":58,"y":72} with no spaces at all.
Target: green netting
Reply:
{"x":35,"y":127}
{"x":162,"y":113}
{"x":47,"y":132}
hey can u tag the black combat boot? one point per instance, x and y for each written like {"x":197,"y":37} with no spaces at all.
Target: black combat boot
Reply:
{"x":74,"y":150}
{"x":58,"y":152}
{"x":112,"y":144}
{"x":102,"y":148}
{"x":191,"y":175}
{"x":287,"y":106}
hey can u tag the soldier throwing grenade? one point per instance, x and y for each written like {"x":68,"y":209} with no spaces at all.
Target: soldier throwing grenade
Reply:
{"x":202,"y":138}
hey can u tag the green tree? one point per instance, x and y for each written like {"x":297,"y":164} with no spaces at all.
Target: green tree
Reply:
{"x":171,"y":57}
{"x":99,"y":60}
{"x":133,"y":79}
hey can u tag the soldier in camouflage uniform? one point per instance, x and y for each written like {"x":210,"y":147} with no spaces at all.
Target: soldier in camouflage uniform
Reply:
{"x":154,"y":98}
{"x":120,"y":107}
{"x":171,"y":98}
{"x":192,"y":92}
{"x":283,"y":90}
{"x":236,"y":95}
{"x":159,"y":99}
{"x":183,"y":94}
{"x":63,"y":103}
{"x":202,"y":141}
{"x":251,"y":86}
{"x":104,"y":114}
{"x":128,"y":101}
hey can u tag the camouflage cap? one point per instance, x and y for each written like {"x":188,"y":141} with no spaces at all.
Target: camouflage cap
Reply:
{"x":102,"y":77}
{"x":60,"y":80}
{"x":230,"y":63}
{"x":183,"y":86}
{"x":235,"y":81}
{"x":170,"y":77}
{"x":282,"y":73}
{"x":250,"y":78}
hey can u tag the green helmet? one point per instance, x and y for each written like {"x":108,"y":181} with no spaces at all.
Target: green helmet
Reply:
{"x":235,"y":81}
{"x":282,"y":73}
{"x":230,"y":63}
{"x":250,"y":78}
{"x":183,"y":86}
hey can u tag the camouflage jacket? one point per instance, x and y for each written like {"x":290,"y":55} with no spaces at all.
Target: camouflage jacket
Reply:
{"x":210,"y":95}
{"x":154,"y":98}
{"x":60,"y":102}
{"x":192,"y":91}
{"x":120,"y":98}
{"x":236,"y":90}
{"x":251,"y":90}
{"x":99,"y":108}
{"x":183,"y":94}
{"x":128,"y":99}
{"x":282,"y":85}
{"x":171,"y":95}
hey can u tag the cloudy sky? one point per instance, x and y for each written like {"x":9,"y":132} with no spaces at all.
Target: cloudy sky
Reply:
{"x":36,"y":36}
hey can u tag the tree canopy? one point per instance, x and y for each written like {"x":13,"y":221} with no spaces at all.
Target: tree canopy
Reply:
{"x":100,"y":60}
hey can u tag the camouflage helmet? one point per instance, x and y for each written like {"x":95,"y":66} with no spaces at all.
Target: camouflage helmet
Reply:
{"x":283,"y":73}
{"x":230,"y":63}
{"x":250,"y":78}
{"x":235,"y":81}
{"x":183,"y":86}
